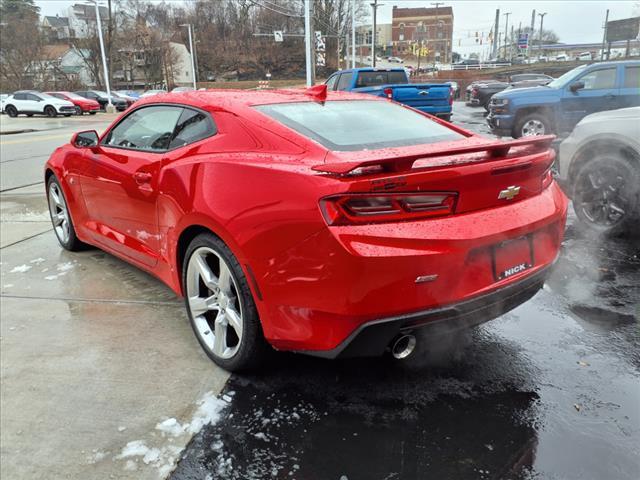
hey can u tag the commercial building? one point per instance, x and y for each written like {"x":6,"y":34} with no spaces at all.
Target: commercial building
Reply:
{"x":427,"y":27}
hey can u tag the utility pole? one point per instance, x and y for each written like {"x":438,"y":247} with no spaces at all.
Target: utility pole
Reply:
{"x":604,"y":35}
{"x":353,"y":33}
{"x":506,"y":31}
{"x":496,"y":35}
{"x":541,"y":15}
{"x":375,"y":6}
{"x":109,"y":108}
{"x":533,"y":25}
{"x":308,"y":32}
{"x":193,"y":55}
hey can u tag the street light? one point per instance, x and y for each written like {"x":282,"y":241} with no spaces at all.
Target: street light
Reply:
{"x":109,"y":107}
{"x":541,"y":15}
{"x":193,"y":65}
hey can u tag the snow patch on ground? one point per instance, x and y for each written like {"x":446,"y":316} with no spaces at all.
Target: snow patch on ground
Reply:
{"x":37,"y":261}
{"x":21,"y":269}
{"x":164,"y":457}
{"x":62,"y":268}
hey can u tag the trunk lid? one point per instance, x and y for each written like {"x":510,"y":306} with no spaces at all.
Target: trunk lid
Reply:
{"x":484,"y":173}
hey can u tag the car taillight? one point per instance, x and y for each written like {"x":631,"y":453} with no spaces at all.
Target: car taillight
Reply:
{"x":474,"y":92}
{"x":388,"y":92}
{"x":354,"y":209}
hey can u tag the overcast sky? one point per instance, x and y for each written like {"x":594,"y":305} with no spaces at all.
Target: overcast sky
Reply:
{"x":573,"y":21}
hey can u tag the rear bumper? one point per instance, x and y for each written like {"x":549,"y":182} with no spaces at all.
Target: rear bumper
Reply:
{"x":373,"y":338}
{"x":318,"y":293}
{"x":444,"y":111}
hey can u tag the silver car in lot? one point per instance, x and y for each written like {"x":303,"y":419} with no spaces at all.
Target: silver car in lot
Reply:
{"x":599,"y":168}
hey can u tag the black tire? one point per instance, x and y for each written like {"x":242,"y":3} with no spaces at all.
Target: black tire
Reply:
{"x":11,"y":111}
{"x":67,"y":114}
{"x":535,"y":118}
{"x":29,"y":114}
{"x":446,"y":118}
{"x":252,"y":348}
{"x":604,"y":187}
{"x":50,"y":111}
{"x":79,"y":111}
{"x":92,"y":113}
{"x":72,"y":243}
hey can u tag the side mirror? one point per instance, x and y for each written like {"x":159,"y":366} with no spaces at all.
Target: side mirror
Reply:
{"x":575,"y":86}
{"x":86,"y":139}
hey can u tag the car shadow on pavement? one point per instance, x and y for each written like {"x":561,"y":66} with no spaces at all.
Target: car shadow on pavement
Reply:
{"x":308,"y":418}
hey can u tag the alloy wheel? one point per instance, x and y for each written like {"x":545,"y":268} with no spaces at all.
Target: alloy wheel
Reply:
{"x":532,"y":128}
{"x":602,"y":196}
{"x":214,"y":302}
{"x":59,"y":213}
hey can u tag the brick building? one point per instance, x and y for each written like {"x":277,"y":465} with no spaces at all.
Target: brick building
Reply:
{"x":430,"y":27}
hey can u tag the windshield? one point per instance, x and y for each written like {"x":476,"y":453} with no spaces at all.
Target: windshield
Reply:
{"x":563,"y":80}
{"x":359,"y":124}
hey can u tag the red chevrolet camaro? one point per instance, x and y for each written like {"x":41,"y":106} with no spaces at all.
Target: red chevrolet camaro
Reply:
{"x":334,"y":225}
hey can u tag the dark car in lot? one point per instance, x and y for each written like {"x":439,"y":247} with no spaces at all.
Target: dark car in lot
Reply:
{"x":482,"y":92}
{"x":558,"y":106}
{"x":103,"y":99}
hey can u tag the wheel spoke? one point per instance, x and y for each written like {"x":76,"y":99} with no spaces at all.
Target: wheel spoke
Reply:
{"x":220,"y":340}
{"x":205,"y":273}
{"x":201,"y":305}
{"x":224,"y":280}
{"x":234,"y":320}
{"x":58,"y":218}
{"x":55,"y":197}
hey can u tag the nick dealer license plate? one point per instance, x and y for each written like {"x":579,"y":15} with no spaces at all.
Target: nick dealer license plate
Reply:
{"x":512,"y":257}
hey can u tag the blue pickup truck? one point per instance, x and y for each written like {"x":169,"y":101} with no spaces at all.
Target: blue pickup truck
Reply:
{"x":558,"y":106}
{"x":393,"y":83}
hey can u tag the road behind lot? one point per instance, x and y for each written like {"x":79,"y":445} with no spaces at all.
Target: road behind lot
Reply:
{"x":95,"y":354}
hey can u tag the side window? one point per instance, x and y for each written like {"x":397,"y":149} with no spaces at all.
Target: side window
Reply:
{"x":599,"y":79}
{"x":632,"y":77}
{"x":331,"y":83}
{"x":345,"y":81}
{"x":91,"y":95}
{"x":149,"y":129}
{"x":33,"y":98}
{"x":20,"y":96}
{"x":191,"y":127}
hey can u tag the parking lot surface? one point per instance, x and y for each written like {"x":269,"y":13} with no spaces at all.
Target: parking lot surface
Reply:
{"x":103,"y":378}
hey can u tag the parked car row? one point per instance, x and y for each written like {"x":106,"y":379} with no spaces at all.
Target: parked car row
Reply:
{"x":479,"y":93}
{"x":54,"y":103}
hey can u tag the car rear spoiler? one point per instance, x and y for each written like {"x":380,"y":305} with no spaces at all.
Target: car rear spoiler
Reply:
{"x":405,"y":163}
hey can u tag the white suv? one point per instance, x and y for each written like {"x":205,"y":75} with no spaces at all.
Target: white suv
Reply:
{"x":30,"y":103}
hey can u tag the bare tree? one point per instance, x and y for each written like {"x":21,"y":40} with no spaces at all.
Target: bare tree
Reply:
{"x":20,"y":43}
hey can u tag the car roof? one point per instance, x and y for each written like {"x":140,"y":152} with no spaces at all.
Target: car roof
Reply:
{"x":229,"y":99}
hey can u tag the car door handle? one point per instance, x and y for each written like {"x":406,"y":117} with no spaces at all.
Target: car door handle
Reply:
{"x":142,"y":177}
{"x":423,"y":92}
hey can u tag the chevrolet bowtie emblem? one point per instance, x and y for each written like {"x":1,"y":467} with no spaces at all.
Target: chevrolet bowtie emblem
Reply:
{"x":509,"y":192}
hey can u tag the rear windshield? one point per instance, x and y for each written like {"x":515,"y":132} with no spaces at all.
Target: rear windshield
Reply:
{"x":371,"y":79}
{"x":351,"y":125}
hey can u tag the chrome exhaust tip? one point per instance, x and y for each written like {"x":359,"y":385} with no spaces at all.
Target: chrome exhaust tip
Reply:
{"x":403,"y":346}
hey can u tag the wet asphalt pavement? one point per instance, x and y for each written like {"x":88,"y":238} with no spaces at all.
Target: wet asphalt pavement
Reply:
{"x":550,"y":390}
